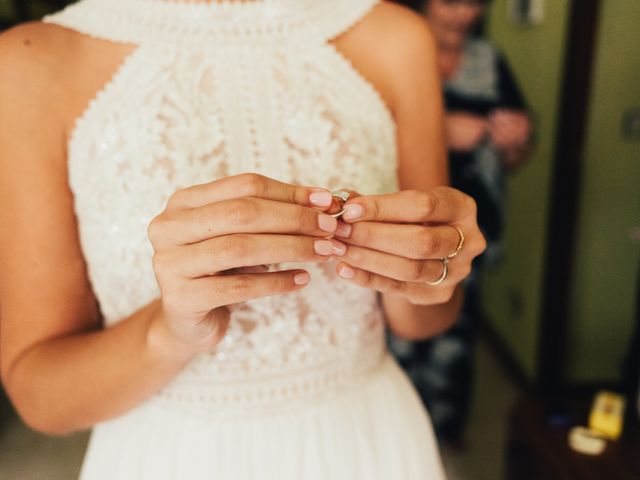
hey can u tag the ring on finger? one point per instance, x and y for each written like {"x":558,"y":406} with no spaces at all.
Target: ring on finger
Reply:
{"x":460,"y":243}
{"x":342,"y":196}
{"x":445,"y":271}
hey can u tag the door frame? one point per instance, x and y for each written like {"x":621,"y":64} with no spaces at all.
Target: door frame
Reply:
{"x":567,"y":173}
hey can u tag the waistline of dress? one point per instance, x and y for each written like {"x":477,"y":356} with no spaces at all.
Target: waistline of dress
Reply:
{"x":270,"y":395}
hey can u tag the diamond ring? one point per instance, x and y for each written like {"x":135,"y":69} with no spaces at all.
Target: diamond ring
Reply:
{"x":342,"y":196}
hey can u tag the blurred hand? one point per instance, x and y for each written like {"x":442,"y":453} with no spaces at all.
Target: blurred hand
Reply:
{"x":211,"y":240}
{"x":465,"y":131}
{"x":395,"y":242}
{"x":509,"y":129}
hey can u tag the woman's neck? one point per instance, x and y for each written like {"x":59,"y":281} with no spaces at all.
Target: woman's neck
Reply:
{"x":449,"y":58}
{"x":450,"y":42}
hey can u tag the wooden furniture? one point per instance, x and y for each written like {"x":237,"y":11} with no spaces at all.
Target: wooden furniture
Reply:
{"x":537,"y":446}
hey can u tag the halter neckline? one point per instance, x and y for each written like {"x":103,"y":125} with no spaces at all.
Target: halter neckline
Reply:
{"x":228,"y":22}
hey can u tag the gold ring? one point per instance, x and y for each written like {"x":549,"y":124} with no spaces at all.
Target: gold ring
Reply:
{"x":343,"y":196}
{"x":445,"y":271}
{"x":460,"y":243}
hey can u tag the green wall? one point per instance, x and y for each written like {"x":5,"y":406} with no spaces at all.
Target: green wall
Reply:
{"x":608,"y":260}
{"x":6,"y":10}
{"x":35,"y":8}
{"x":512,"y":293}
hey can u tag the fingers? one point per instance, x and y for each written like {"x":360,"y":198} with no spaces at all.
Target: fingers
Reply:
{"x":440,"y":205}
{"x":414,"y":291}
{"x":502,"y":137}
{"x":509,"y":127}
{"x":371,"y":280}
{"x":508,"y":136}
{"x":249,"y":269}
{"x":249,"y":185}
{"x":474,"y":126}
{"x":416,"y":242}
{"x":206,"y":293}
{"x":395,"y":267}
{"x":466,"y":118}
{"x":505,"y":117}
{"x":464,"y":132}
{"x":240,"y":215}
{"x":244,"y":250}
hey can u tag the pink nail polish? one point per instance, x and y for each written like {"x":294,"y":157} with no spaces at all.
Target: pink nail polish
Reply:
{"x":352,"y":211}
{"x":343,"y":230}
{"x":323,"y":247}
{"x":347,"y":272}
{"x":327,"y":223}
{"x":301,"y":278}
{"x":320,"y":199}
{"x":339,"y":248}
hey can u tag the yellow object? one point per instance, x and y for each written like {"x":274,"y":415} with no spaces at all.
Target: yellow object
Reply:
{"x":583,"y":440}
{"x":607,"y":414}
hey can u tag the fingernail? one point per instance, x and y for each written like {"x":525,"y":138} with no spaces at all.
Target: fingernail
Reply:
{"x":352,"y":211}
{"x":320,"y":199}
{"x":339,"y":248}
{"x":347,"y":272}
{"x":301,"y":278}
{"x":323,"y":247}
{"x":327,"y":223}
{"x":343,"y":230}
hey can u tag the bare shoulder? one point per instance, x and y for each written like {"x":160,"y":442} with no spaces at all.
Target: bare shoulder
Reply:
{"x":401,"y":39}
{"x":51,"y":72}
{"x":387,"y":45}
{"x":395,"y":33}
{"x":34,"y":96}
{"x":35,"y":80}
{"x":34,"y":54}
{"x":400,"y":26}
{"x":46,"y":57}
{"x":39,"y":36}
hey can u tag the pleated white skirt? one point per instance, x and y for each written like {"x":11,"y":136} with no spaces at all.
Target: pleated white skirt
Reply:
{"x":375,"y":430}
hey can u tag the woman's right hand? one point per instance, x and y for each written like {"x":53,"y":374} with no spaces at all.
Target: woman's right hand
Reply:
{"x":465,"y":131}
{"x":210,"y":236}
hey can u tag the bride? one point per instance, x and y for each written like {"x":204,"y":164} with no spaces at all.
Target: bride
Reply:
{"x":176,"y":273}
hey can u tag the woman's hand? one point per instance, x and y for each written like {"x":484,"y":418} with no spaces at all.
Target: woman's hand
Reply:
{"x":509,"y":129}
{"x":395,"y":242}
{"x":211,"y":240}
{"x":465,"y":131}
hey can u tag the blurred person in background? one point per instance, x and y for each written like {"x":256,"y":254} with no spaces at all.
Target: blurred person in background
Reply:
{"x":489,"y":133}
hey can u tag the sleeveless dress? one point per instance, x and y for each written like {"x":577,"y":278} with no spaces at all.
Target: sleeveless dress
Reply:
{"x":301,"y":387}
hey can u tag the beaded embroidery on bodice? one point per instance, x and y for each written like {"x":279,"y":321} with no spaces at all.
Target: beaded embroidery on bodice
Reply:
{"x":199,"y":103}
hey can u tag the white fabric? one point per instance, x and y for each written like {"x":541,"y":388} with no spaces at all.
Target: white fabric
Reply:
{"x":213,"y":90}
{"x":373,"y":430}
{"x":477,"y":75}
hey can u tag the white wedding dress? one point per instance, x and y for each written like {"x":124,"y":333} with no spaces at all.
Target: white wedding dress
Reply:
{"x":301,"y":387}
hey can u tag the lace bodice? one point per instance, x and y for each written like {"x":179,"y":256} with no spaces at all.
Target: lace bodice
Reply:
{"x":213,"y":90}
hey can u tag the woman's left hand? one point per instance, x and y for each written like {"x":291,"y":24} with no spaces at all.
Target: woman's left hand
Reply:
{"x":509,"y":129}
{"x":396,"y":243}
